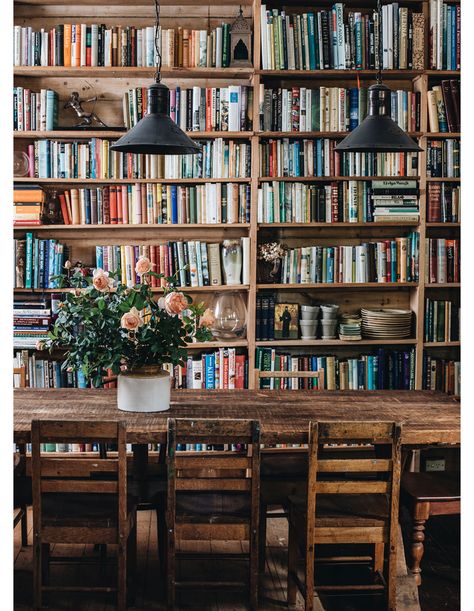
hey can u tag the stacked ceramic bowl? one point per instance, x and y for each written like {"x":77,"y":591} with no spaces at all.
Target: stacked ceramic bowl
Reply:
{"x":309,"y":321}
{"x":386,"y":324}
{"x":350,"y":327}
{"x":329,"y":320}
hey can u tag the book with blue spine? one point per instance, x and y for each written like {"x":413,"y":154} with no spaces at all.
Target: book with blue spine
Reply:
{"x":36,"y":263}
{"x":312,"y":41}
{"x":209,"y":370}
{"x":340,"y":42}
{"x":41,"y":264}
{"x":174,"y":205}
{"x":29,"y":260}
{"x":81,"y":379}
{"x":370,"y":372}
{"x":353,"y":108}
{"x":358,"y":40}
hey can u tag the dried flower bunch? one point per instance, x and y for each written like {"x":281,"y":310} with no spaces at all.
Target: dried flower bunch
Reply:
{"x":105,"y":325}
{"x":271,"y":251}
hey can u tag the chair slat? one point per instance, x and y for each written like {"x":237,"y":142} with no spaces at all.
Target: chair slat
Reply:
{"x":361,"y":465}
{"x":72,"y":485}
{"x":76,"y":432}
{"x":214,"y":431}
{"x":77,"y":467}
{"x":348,"y":534}
{"x":206,"y":532}
{"x":381,"y":432}
{"x":203,"y":484}
{"x":352,"y":487}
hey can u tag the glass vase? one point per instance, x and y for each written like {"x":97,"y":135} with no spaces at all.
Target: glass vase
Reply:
{"x":230,"y":314}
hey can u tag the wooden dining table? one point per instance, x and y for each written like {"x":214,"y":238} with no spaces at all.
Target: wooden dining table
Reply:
{"x":428,"y":417}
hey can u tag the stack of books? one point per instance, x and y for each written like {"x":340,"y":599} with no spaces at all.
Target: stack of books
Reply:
{"x":443,"y":158}
{"x":395,"y":200}
{"x":386,"y":369}
{"x":222,"y":369}
{"x":34,"y":110}
{"x":441,"y":374}
{"x":445,"y":36}
{"x":442,"y":261}
{"x":335,"y":39}
{"x":444,"y":203}
{"x":195,"y":263}
{"x":28,"y":202}
{"x":31,"y":321}
{"x":36,"y":261}
{"x":156,"y":203}
{"x":444,"y":106}
{"x":80,"y":44}
{"x":393,"y":260}
{"x":202,"y":109}
{"x":329,"y":109}
{"x":442,"y":321}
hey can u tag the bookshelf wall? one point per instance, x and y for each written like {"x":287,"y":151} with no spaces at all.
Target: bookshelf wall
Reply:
{"x":109,"y":85}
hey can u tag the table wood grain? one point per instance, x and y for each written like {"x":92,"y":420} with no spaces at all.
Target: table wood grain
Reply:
{"x":428,"y":417}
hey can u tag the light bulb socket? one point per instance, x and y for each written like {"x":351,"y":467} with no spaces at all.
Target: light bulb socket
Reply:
{"x":158,"y":97}
{"x":380,"y":100}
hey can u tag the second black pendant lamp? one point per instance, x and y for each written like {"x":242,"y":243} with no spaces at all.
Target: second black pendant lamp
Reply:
{"x":378,"y":132}
{"x":157,"y":133}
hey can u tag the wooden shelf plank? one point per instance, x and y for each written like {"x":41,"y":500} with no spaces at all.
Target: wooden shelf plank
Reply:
{"x":337,"y":286}
{"x":185,"y":289}
{"x":438,"y":285}
{"x":336,"y":225}
{"x":442,"y":179}
{"x":443,"y":134}
{"x":441,"y":344}
{"x":331,"y":178}
{"x":241,"y":343}
{"x":129,"y":227}
{"x":116,"y":133}
{"x":444,"y":225}
{"x":104,"y":181}
{"x":335,"y":342}
{"x":133,"y":71}
{"x":321,"y":74}
{"x":317,"y":134}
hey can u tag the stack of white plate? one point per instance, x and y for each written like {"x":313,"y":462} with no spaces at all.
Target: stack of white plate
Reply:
{"x":349,"y":327}
{"x":386,"y":324}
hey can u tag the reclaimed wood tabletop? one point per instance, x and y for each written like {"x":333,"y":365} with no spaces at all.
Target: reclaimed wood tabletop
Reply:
{"x":428,"y":417}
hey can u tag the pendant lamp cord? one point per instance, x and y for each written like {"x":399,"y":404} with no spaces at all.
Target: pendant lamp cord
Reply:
{"x":157,"y":41}
{"x":379,"y":49}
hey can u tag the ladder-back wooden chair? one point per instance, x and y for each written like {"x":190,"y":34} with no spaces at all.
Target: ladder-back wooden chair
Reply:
{"x":81,"y":500}
{"x":349,"y":501}
{"x":21,"y":482}
{"x":213,"y":495}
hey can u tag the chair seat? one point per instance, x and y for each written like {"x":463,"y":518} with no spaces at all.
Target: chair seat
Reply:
{"x":427,"y":487}
{"x":82,"y":509}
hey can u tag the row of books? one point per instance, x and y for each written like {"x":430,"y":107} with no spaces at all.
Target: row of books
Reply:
{"x":32,"y":319}
{"x":195,"y":263}
{"x":444,"y":106}
{"x":441,"y":374}
{"x":445,"y":36}
{"x":444,"y":202}
{"x":81,"y":44}
{"x":348,"y":202}
{"x":198,"y":108}
{"x":28,"y":203}
{"x":222,"y":369}
{"x":442,"y":261}
{"x":442,"y":321}
{"x":329,"y":109}
{"x":393,"y":260}
{"x":36,"y":261}
{"x":317,"y":157}
{"x":47,"y":372}
{"x":156,"y":203}
{"x":443,"y":158}
{"x":93,"y":159}
{"x":384,"y":370}
{"x":35,"y":110}
{"x":339,"y":39}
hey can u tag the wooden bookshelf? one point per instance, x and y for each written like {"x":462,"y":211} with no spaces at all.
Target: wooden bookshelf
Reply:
{"x":110,"y":83}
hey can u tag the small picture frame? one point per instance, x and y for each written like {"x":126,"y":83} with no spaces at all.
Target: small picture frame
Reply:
{"x":286,"y":320}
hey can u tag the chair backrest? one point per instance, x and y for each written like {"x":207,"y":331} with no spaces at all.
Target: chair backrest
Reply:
{"x":21,"y":371}
{"x":76,"y":474}
{"x":317,"y":375}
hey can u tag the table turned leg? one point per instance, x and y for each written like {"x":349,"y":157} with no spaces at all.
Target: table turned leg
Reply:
{"x":421,"y":513}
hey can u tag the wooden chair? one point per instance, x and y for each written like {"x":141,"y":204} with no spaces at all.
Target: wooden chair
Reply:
{"x":21,"y":483}
{"x":81,"y":500}
{"x":348,"y":501}
{"x":213,"y":495}
{"x":425,"y":495}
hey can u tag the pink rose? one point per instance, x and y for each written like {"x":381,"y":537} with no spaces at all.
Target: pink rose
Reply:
{"x":161,"y":303}
{"x":67,"y":264}
{"x":207,"y":319}
{"x":77,"y":292}
{"x":131,"y":320}
{"x":101,"y":280}
{"x":143,"y":266}
{"x":40,"y":345}
{"x":175,"y":302}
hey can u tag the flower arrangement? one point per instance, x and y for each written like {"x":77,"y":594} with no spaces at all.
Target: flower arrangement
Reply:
{"x":271,"y":251}
{"x":103,"y":324}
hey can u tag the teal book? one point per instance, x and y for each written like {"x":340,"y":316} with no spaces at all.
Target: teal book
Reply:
{"x":315,"y":111}
{"x":29,"y":261}
{"x":36,"y":263}
{"x":51,"y":110}
{"x":311,"y":41}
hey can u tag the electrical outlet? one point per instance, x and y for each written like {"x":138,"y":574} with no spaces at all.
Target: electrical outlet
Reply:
{"x":435,"y":464}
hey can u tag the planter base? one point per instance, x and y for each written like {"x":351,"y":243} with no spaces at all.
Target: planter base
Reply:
{"x":142,"y":392}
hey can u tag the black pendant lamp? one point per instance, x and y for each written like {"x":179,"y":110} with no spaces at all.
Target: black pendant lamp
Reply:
{"x":157,"y":133}
{"x":378,"y":132}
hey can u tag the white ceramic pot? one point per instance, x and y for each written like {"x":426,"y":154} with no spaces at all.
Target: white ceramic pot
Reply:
{"x":145,"y":390}
{"x":308,"y":328}
{"x":329,"y":311}
{"x":309,"y":312}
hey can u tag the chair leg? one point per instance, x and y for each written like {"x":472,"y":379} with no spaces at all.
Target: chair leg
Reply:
{"x":292,"y":559}
{"x":170,"y":568}
{"x":262,"y":537}
{"x":309,"y":580}
{"x":37,"y":572}
{"x":254,"y":565}
{"x":161,"y":531}
{"x":24,"y":526}
{"x":132,"y":565}
{"x":378,"y":557}
{"x":417,"y":548}
{"x":122,"y":575}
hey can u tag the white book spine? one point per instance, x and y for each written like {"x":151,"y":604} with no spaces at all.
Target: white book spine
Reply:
{"x":94,"y":44}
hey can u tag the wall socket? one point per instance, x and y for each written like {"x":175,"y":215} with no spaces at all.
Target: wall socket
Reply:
{"x":435,"y":464}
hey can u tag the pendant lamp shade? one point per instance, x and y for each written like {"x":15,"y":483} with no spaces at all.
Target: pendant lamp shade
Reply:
{"x":378,"y":132}
{"x":156,"y":133}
